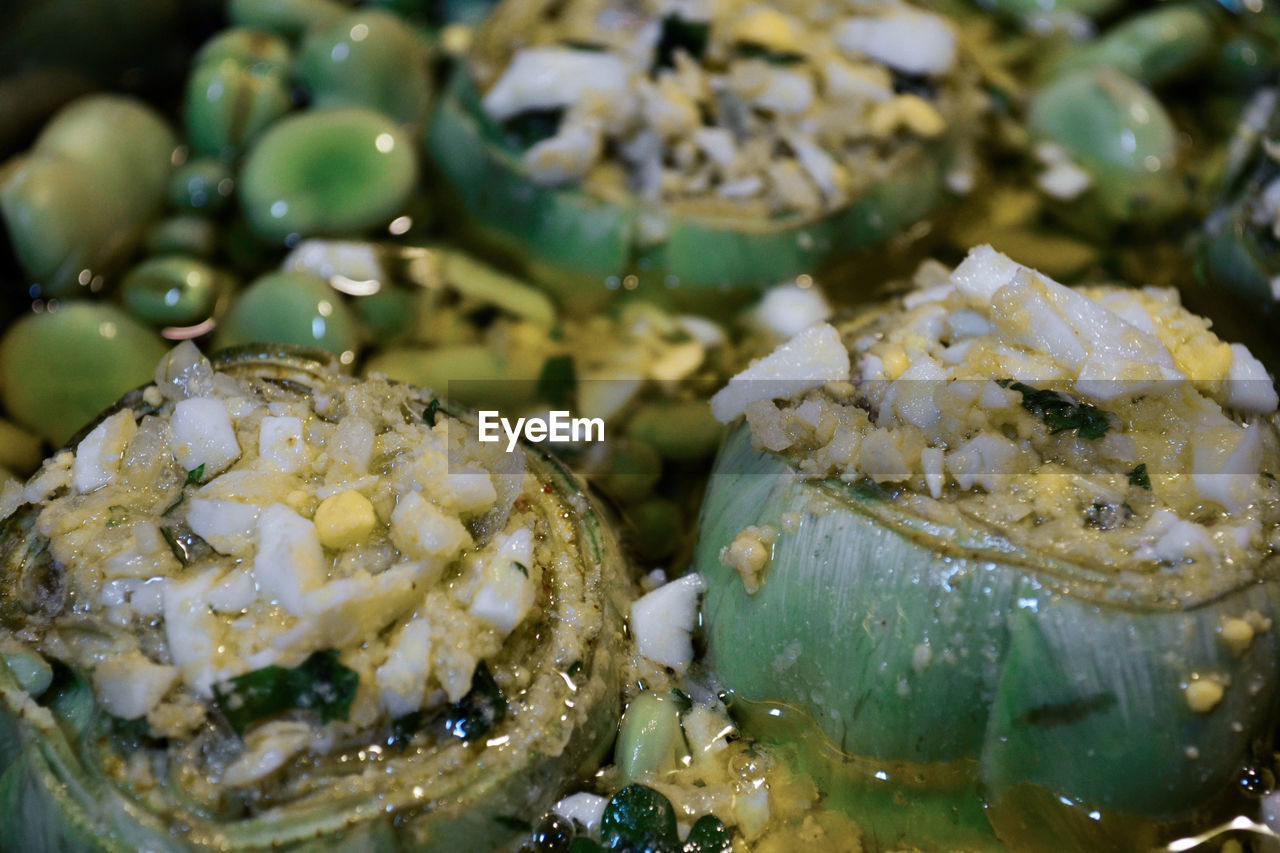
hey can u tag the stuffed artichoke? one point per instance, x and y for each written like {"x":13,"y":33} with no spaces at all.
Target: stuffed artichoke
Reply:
{"x":690,"y":150}
{"x":1004,"y":554}
{"x":260,"y":605}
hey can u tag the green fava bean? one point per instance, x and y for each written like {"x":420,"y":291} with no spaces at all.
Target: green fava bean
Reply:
{"x":171,"y":290}
{"x":127,"y":144}
{"x":183,"y":235}
{"x":81,"y":199}
{"x":60,"y":369}
{"x":471,"y":374}
{"x":682,"y":429}
{"x":203,"y":185}
{"x":290,"y":308}
{"x":1120,"y":134}
{"x":650,"y":740}
{"x":326,"y":172}
{"x":387,"y":314}
{"x":1152,"y":46}
{"x":56,"y":225}
{"x":227,"y":104}
{"x":633,"y":470}
{"x":658,"y":525}
{"x":370,"y":58}
{"x":287,"y":18}
{"x":253,"y":48}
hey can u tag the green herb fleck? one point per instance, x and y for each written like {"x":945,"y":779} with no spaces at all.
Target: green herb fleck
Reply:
{"x":751,"y":50}
{"x":194,"y":476}
{"x":679,"y":34}
{"x":524,"y":570}
{"x":430,"y":412}
{"x":558,"y":380}
{"x":179,"y":549}
{"x":475,"y":714}
{"x":1060,"y":413}
{"x":115,"y":517}
{"x":532,"y":126}
{"x":320,"y":683}
{"x":1139,"y":477}
{"x":513,"y":823}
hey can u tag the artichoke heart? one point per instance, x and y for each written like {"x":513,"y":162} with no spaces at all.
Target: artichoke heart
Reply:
{"x":260,"y":605}
{"x":1003,"y":550}
{"x":693,"y":153}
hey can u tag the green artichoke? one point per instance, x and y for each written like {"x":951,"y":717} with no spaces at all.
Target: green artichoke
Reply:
{"x":82,"y":771}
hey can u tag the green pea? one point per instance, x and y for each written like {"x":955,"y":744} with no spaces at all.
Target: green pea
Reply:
{"x":369,"y":58}
{"x":227,"y":104}
{"x":290,"y":308}
{"x":326,"y":172}
{"x":171,"y":290}
{"x":203,"y":185}
{"x":1117,"y":131}
{"x":288,"y":18}
{"x":633,"y":470}
{"x":677,"y":429}
{"x":471,"y":374}
{"x":183,"y":235}
{"x":639,"y":814}
{"x":58,"y":370}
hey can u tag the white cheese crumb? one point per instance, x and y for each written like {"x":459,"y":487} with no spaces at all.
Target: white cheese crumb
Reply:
{"x":506,"y":591}
{"x":809,"y":360}
{"x":99,"y":454}
{"x":586,"y":809}
{"x":402,"y":679}
{"x":788,"y":309}
{"x":663,"y":620}
{"x":290,"y":561}
{"x":912,"y":42}
{"x":280,"y":443}
{"x":228,"y":526}
{"x":1249,"y":388}
{"x":552,"y":77}
{"x":129,"y":686}
{"x":935,"y":477}
{"x":422,"y":531}
{"x":203,"y":435}
{"x":266,"y":749}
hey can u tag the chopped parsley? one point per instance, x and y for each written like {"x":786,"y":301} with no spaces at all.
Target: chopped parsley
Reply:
{"x":1060,"y":413}
{"x":194,"y":476}
{"x":524,"y":570}
{"x":752,"y":50}
{"x":320,"y":683}
{"x":1140,"y":478}
{"x":430,"y":412}
{"x":679,"y":34}
{"x":532,"y":126}
{"x":558,"y":380}
{"x":475,"y":714}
